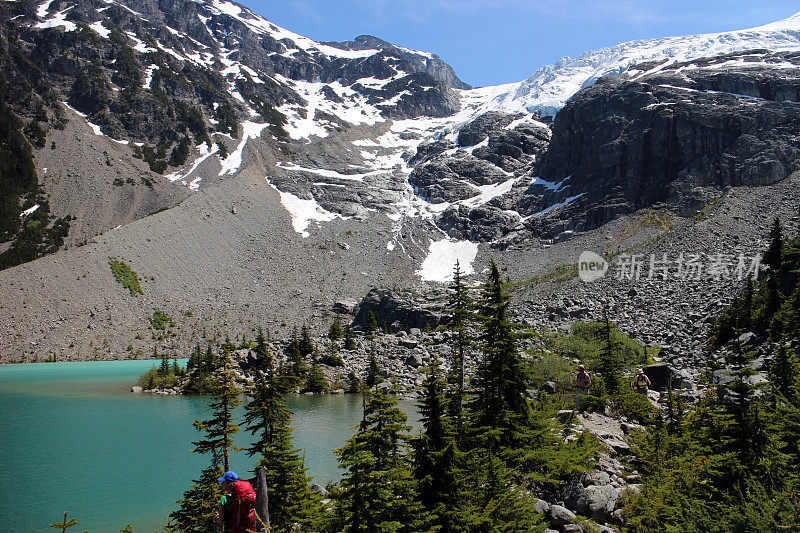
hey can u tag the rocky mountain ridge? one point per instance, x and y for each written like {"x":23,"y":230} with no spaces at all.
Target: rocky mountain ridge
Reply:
{"x":266,"y":160}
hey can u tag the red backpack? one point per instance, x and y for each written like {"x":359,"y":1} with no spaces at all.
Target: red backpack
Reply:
{"x":243,"y":514}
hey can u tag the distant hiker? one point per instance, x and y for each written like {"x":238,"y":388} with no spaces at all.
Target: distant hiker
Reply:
{"x":237,"y":506}
{"x":583,"y":382}
{"x":641,"y":383}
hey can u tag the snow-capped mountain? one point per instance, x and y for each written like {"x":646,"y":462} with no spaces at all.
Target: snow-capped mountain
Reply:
{"x":188,"y":88}
{"x":201,"y":89}
{"x":549,"y":88}
{"x":232,"y":160}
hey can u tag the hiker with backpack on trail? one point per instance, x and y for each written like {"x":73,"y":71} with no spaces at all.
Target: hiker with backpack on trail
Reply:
{"x":641,"y":383}
{"x":237,"y":507}
{"x":583,"y":382}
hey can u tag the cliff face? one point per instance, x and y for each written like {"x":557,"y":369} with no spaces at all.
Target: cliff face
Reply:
{"x":628,"y":142}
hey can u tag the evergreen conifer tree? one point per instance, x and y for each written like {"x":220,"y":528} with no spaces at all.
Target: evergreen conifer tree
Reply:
{"x":783,"y":373}
{"x":294,"y":355}
{"x":610,"y":364}
{"x":316,"y":381}
{"x":306,"y":345}
{"x":268,"y":419}
{"x":221,"y":428}
{"x":335,"y":332}
{"x":435,"y":457}
{"x":501,"y":399}
{"x":349,"y":341}
{"x":373,"y":375}
{"x":199,"y":504}
{"x":773,"y":257}
{"x":209,"y":364}
{"x":460,"y":311}
{"x":377,"y":490}
{"x":371,"y":323}
{"x":164,"y":368}
{"x":228,"y":346}
{"x":65,"y":524}
{"x":194,"y":359}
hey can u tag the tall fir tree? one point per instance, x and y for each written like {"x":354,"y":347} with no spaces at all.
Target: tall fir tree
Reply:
{"x":294,"y":355}
{"x":316,"y":382}
{"x":335,"y":331}
{"x":306,"y":345}
{"x":262,"y":351}
{"x":209,"y":361}
{"x":500,"y":385}
{"x":371,"y":323}
{"x":377,"y":492}
{"x":164,"y":368}
{"x":268,"y":419}
{"x":610,"y":363}
{"x":372,"y":376}
{"x":499,"y":406}
{"x":199,"y":504}
{"x":194,"y":359}
{"x":221,"y":428}
{"x":460,"y":315}
{"x":783,"y":373}
{"x":349,"y":340}
{"x":773,"y":257}
{"x":435,"y":458}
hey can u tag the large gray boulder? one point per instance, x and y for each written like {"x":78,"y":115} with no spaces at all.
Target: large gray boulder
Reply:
{"x":483,"y":223}
{"x":561,"y":516}
{"x":406,"y":309}
{"x":414,"y":360}
{"x":594,"y":501}
{"x":661,"y":375}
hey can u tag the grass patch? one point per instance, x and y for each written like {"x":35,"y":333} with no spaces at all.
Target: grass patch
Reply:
{"x":125,"y":276}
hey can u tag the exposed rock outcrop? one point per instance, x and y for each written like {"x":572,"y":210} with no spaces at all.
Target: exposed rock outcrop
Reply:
{"x":399,"y":310}
{"x":621,"y":144}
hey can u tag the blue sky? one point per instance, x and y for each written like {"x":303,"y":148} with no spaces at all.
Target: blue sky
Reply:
{"x":490,"y":42}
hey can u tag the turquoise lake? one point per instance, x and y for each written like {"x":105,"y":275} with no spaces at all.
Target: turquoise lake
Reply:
{"x":74,"y":438}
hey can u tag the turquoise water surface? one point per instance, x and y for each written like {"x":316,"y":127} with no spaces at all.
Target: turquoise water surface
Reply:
{"x":73,"y":438}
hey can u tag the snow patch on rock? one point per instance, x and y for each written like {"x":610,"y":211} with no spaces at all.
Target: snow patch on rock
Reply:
{"x":442,"y":257}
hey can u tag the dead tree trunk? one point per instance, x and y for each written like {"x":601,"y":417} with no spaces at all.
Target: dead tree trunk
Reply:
{"x":262,"y":502}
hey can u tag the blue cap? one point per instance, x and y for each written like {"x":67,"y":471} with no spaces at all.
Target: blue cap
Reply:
{"x":230,"y":475}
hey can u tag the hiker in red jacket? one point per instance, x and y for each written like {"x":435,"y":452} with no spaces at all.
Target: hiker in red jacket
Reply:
{"x":237,"y":506}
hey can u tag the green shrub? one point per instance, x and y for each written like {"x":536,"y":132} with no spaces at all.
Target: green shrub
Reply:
{"x":635,"y":406}
{"x":594,"y":404}
{"x":316,"y":382}
{"x":550,"y":367}
{"x":330,"y":359}
{"x":586,"y":342}
{"x":125,"y":276}
{"x":160,"y":320}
